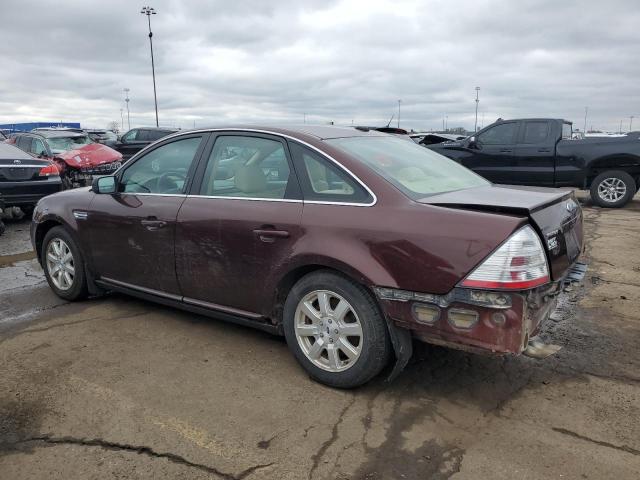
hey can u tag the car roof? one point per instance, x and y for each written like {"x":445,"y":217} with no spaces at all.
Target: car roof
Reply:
{"x":321,"y":132}
{"x":10,"y":152}
{"x":57,"y":134}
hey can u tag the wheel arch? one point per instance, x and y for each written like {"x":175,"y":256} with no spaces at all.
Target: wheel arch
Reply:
{"x":625,"y":163}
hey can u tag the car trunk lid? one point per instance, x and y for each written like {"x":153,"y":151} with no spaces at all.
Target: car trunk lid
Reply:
{"x":16,"y":170}
{"x":554,"y":213}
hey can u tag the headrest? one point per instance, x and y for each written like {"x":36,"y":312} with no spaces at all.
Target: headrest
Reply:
{"x":250,"y":179}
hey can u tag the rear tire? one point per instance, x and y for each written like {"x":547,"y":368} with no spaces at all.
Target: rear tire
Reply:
{"x":613,"y":189}
{"x":335,"y":330}
{"x":63,"y":265}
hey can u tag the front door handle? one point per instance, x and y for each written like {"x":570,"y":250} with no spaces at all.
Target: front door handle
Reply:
{"x":153,"y":224}
{"x":506,"y":150}
{"x":269,"y":236}
{"x":544,"y":150}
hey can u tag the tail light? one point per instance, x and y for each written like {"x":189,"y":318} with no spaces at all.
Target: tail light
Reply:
{"x":49,"y":170}
{"x":519,"y":263}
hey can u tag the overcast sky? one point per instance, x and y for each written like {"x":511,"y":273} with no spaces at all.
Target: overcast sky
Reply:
{"x":256,"y":61}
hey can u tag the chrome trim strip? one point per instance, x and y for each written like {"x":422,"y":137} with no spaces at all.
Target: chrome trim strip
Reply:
{"x":25,"y":166}
{"x":277,"y":134}
{"x":151,"y":194}
{"x":151,"y":291}
{"x":222,"y":197}
{"x":80,"y":215}
{"x":220,"y":308}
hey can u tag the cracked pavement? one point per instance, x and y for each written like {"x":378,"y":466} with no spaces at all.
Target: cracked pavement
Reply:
{"x":119,"y":388}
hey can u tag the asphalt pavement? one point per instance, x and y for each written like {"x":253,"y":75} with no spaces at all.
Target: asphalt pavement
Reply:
{"x":115,"y":387}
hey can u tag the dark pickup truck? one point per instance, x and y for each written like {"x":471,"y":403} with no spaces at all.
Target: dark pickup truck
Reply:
{"x":541,"y":152}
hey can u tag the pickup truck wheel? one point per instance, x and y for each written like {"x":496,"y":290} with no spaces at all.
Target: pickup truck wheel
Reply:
{"x":613,"y":189}
{"x":63,"y":265}
{"x":335,"y":330}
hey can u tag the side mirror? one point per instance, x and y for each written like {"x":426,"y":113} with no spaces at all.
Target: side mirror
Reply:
{"x":107,"y":184}
{"x":472,"y":142}
{"x":42,"y":154}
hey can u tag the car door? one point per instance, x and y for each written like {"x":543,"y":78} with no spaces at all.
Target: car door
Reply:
{"x":241,"y":222}
{"x":534,"y":154}
{"x":492,"y":153}
{"x":133,"y":231}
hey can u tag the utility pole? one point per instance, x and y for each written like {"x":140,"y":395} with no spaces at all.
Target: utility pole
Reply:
{"x":586,"y":110}
{"x":399,"y":102}
{"x":475,"y":127}
{"x":126,"y":100}
{"x":122,"y":118}
{"x":148,"y":11}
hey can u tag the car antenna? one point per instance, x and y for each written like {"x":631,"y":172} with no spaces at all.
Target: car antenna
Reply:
{"x":391,"y":120}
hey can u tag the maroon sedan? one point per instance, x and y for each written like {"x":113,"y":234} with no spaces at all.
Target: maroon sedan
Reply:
{"x":349,"y":242}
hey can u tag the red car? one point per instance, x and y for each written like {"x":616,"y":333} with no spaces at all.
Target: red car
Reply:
{"x":350,"y":243}
{"x":77,"y":157}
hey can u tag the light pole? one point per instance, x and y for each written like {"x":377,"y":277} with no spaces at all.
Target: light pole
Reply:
{"x":630,"y":122}
{"x":475,"y":127}
{"x":148,"y":11}
{"x":122,"y":118}
{"x":126,"y":100}
{"x":446,"y":123}
{"x":620,"y":130}
{"x":399,"y":102}
{"x":586,"y":110}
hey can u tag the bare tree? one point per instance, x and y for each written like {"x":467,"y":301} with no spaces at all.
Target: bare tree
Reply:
{"x":114,"y":126}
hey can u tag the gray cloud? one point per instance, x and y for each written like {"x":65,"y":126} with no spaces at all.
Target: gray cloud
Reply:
{"x":254,"y":61}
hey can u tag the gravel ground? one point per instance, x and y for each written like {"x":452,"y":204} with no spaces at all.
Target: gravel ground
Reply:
{"x":119,"y":388}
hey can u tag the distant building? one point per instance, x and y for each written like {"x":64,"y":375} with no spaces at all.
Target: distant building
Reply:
{"x":27,"y":127}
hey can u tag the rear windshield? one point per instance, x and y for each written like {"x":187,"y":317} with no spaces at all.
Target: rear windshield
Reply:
{"x":62,"y":144}
{"x":415,"y":170}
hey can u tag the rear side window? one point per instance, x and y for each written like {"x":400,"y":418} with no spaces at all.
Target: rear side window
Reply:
{"x":130,"y":136}
{"x":248,"y":167}
{"x":37,"y":147}
{"x":566,"y":131}
{"x":503,"y":134}
{"x":24,"y":143}
{"x":322,"y":180}
{"x":535,"y":132}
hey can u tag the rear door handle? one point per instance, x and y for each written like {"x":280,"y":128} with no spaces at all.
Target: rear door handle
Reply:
{"x":544,"y":150}
{"x":153,"y":224}
{"x":269,"y":236}
{"x":506,"y":150}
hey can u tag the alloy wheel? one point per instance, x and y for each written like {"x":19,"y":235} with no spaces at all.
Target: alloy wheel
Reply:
{"x":612,"y":189}
{"x":328,"y":330}
{"x":60,"y":264}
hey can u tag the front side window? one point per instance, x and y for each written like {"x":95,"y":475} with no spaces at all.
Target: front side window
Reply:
{"x":37,"y":147}
{"x":502,"y":134}
{"x":535,"y":132}
{"x":566,"y":131}
{"x":130,"y":136}
{"x":248,"y":167}
{"x":163,"y":170}
{"x":415,"y":170}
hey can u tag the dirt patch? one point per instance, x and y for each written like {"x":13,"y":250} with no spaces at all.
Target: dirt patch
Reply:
{"x":11,"y":260}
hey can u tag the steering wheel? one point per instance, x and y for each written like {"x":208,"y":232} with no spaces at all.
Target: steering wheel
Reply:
{"x":169,"y":182}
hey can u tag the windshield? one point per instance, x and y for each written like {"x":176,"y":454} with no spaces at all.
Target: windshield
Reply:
{"x":62,"y":144}
{"x":415,"y":170}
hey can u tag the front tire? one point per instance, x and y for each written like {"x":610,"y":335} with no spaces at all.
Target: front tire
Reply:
{"x":335,"y":330}
{"x":613,"y":189}
{"x":63,"y":265}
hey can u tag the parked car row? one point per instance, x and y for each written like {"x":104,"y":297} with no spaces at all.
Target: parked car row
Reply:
{"x":46,"y":160}
{"x":350,"y":242}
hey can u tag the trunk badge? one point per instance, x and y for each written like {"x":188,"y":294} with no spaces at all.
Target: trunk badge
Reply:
{"x":571,"y":206}
{"x":17,"y":162}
